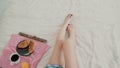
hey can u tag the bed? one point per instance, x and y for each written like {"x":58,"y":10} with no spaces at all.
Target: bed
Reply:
{"x":96,"y":24}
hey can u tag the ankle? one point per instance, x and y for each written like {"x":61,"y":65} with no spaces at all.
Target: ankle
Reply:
{"x":59,"y":44}
{"x":59,"y":41}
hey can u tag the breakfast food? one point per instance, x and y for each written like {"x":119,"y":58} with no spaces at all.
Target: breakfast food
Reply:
{"x":24,"y":44}
{"x":25,"y":47}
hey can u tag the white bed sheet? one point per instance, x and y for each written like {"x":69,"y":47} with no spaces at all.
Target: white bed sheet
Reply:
{"x":96,"y":23}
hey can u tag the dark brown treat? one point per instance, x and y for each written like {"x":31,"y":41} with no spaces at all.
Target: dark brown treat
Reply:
{"x":24,"y":44}
{"x":33,"y":37}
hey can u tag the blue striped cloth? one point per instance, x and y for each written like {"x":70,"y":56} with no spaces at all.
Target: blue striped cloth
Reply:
{"x":53,"y":66}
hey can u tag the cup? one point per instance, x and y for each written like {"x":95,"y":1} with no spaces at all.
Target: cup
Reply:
{"x":14,"y":58}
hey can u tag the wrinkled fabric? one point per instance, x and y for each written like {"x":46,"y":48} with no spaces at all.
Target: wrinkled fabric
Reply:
{"x":33,"y":59}
{"x":96,"y":24}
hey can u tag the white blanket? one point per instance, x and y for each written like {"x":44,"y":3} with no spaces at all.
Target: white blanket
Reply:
{"x":96,"y":23}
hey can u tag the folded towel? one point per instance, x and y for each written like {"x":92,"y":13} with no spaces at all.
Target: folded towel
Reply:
{"x":10,"y":49}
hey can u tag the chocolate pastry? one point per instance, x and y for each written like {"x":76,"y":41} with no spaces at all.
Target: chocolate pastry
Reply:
{"x":33,"y":37}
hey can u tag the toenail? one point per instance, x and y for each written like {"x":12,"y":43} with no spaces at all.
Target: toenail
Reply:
{"x":71,"y":14}
{"x":68,"y":24}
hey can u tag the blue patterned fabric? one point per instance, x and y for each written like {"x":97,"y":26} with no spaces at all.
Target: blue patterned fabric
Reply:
{"x":53,"y":66}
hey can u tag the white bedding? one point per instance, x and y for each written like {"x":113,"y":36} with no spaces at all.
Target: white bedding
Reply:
{"x":96,"y":23}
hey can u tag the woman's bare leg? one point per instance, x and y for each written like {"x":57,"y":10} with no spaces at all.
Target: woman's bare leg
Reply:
{"x":56,"y":54}
{"x":69,"y":49}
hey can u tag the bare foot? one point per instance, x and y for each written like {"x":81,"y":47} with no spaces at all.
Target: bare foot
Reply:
{"x":61,"y":35}
{"x":71,"y":37}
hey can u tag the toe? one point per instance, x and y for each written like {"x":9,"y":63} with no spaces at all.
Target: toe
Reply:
{"x":70,"y":30}
{"x":67,"y":20}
